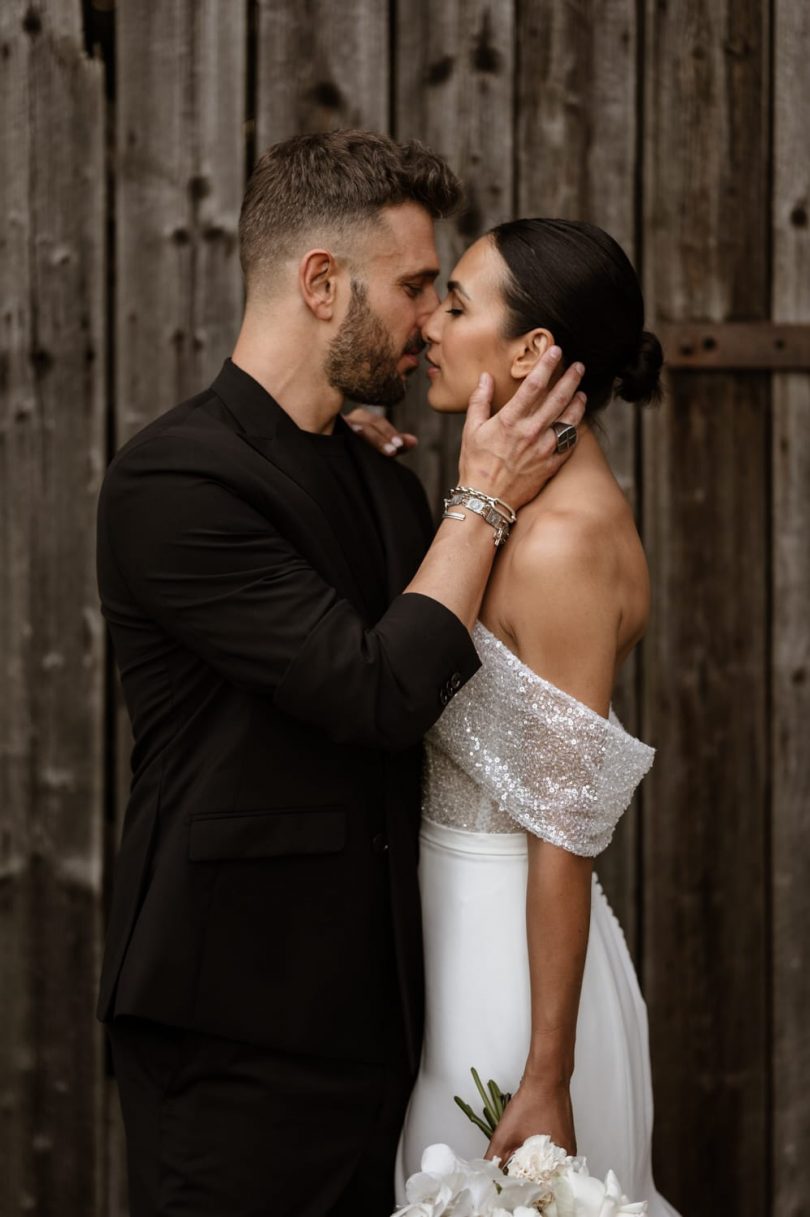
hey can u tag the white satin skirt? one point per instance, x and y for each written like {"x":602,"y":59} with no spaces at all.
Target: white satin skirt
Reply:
{"x":478,"y":1013}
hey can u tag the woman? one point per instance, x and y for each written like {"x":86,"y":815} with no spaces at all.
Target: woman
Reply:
{"x":528,"y":770}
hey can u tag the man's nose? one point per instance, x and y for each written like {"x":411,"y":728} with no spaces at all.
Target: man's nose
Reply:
{"x":428,"y":305}
{"x":430,"y":327}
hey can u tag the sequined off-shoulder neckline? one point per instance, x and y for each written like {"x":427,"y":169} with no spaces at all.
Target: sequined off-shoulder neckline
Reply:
{"x":492,"y":643}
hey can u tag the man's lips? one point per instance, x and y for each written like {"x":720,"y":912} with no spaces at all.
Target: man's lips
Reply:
{"x":415,"y":346}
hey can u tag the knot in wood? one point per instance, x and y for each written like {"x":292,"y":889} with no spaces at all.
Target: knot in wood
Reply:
{"x":32,"y":22}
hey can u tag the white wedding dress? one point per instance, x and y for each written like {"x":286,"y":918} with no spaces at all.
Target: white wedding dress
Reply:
{"x":513,"y":754}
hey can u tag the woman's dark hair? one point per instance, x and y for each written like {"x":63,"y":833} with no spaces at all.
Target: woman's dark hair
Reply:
{"x":571,"y":278}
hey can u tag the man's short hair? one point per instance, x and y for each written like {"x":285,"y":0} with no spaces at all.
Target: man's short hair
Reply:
{"x":334,"y":181}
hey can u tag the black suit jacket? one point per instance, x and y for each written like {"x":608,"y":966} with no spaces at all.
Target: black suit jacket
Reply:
{"x":271,"y":831}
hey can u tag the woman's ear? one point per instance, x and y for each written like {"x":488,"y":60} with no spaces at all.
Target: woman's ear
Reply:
{"x":529,"y":348}
{"x":317,"y":278}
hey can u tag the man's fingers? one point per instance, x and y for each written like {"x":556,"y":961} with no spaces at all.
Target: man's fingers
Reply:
{"x":574,"y":412}
{"x":534,"y":386}
{"x":480,"y":406}
{"x":572,"y":415}
{"x":560,"y":397}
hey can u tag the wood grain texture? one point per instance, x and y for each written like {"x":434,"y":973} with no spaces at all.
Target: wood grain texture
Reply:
{"x":52,"y":360}
{"x":320,"y":66}
{"x":706,"y":511}
{"x":575,"y":158}
{"x":535,"y":104}
{"x":737,"y":345}
{"x":179,"y":184}
{"x":790,"y":788}
{"x":180,"y":172}
{"x":454,"y":72}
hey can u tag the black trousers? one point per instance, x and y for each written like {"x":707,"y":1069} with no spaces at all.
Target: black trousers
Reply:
{"x":215,"y":1127}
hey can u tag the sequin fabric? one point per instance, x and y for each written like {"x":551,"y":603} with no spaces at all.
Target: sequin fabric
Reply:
{"x":513,"y":752}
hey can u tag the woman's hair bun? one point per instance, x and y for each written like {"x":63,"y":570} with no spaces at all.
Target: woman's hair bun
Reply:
{"x":640,"y":379}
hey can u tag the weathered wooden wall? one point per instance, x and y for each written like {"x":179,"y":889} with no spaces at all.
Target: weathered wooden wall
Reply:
{"x":789,"y":979}
{"x":52,"y":456}
{"x":126,"y":132}
{"x":706,"y":477}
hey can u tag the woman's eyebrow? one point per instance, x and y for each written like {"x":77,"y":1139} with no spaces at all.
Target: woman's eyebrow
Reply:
{"x":453,"y":285}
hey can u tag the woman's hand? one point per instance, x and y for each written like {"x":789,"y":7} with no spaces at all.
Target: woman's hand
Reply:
{"x":377,"y":431}
{"x":535,"y":1108}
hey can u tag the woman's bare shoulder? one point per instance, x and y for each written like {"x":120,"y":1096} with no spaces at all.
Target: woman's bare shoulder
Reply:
{"x":570,"y":599}
{"x":592,"y":552}
{"x":574,"y":543}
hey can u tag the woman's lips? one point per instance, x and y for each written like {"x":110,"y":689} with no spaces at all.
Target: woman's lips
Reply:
{"x":433,"y":369}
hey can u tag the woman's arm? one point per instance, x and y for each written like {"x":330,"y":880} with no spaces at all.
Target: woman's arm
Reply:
{"x":564,"y":621}
{"x":558,"y":903}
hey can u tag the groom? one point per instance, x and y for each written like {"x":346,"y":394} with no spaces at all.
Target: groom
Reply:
{"x":287,"y":628}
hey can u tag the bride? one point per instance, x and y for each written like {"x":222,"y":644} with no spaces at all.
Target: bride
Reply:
{"x":528,"y":771}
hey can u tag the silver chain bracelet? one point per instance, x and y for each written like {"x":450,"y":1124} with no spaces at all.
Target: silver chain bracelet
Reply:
{"x":498,"y":514}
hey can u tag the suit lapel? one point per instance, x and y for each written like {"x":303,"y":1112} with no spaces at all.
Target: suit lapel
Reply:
{"x":272,"y":433}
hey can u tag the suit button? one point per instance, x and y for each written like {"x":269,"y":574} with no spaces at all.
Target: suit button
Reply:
{"x":379,"y":844}
{"x":450,"y":687}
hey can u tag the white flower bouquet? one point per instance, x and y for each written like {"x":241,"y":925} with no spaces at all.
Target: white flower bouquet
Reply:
{"x":539,"y":1177}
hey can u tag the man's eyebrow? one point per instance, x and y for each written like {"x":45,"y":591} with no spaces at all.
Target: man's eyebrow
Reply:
{"x":429,"y":272}
{"x":453,"y":285}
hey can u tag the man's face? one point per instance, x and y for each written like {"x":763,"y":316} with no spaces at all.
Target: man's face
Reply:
{"x":392,"y":296}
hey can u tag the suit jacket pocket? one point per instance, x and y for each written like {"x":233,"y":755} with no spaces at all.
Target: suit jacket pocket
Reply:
{"x":234,"y":835}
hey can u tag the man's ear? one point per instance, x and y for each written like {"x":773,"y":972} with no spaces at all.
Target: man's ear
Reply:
{"x":529,"y":348}
{"x":317,"y":279}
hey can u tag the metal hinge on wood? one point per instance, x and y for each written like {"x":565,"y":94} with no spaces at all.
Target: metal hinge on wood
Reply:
{"x":736,"y":345}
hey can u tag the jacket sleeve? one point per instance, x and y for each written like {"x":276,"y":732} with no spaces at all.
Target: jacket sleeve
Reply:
{"x":215,"y":575}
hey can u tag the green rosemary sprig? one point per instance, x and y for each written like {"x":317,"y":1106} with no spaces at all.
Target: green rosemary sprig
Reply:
{"x":494,"y":1101}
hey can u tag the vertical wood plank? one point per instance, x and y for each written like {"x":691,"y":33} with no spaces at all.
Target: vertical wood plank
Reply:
{"x":52,"y":372}
{"x":790,"y":788}
{"x":566,"y":146}
{"x":576,"y":159}
{"x":180,"y":115}
{"x":180,"y":179}
{"x":321,"y":66}
{"x":706,"y":509}
{"x":454,"y":73}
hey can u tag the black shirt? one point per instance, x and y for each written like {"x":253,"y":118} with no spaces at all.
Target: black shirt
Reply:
{"x":354,"y":507}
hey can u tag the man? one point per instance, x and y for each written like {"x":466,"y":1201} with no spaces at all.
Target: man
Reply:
{"x":282,"y":651}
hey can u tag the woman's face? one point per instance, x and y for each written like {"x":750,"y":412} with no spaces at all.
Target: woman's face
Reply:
{"x":465,"y":334}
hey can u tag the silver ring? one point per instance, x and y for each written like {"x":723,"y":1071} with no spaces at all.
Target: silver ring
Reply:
{"x":566,"y":436}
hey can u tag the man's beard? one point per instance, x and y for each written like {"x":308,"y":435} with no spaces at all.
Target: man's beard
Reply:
{"x":362,"y":361}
